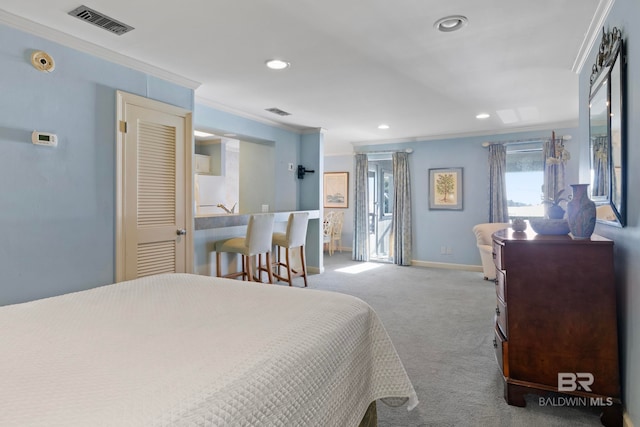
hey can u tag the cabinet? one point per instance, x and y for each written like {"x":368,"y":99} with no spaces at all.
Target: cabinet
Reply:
{"x":555,"y":320}
{"x":202,"y":163}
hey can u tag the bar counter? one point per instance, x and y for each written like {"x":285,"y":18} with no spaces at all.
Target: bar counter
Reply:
{"x":237,"y":220}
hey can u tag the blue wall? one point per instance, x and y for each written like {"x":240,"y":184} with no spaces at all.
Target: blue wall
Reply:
{"x":57,"y":204}
{"x":624,"y":15}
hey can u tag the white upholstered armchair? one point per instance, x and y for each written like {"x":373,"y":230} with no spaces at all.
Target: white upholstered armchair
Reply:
{"x":483,"y":234}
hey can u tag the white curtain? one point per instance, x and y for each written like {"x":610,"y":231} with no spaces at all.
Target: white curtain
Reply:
{"x":401,"y":224}
{"x":361,"y":211}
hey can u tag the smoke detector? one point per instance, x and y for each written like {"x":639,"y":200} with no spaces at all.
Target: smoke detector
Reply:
{"x":42,"y":61}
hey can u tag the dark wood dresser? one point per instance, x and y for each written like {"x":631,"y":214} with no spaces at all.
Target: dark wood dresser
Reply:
{"x":556,"y":322}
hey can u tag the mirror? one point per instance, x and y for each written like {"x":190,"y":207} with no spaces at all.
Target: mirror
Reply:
{"x":606,"y":131}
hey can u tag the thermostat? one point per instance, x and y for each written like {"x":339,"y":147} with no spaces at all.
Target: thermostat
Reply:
{"x":44,"y":138}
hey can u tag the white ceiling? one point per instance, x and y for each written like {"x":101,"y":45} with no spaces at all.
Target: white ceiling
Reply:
{"x":355,"y":63}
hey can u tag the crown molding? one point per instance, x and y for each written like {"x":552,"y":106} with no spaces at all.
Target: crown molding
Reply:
{"x":541,"y":127}
{"x":212,"y":104}
{"x":72,"y":42}
{"x":592,"y":34}
{"x":339,"y":153}
{"x":310,"y":131}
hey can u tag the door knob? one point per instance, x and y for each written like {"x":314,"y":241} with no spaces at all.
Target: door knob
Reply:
{"x":181,"y":232}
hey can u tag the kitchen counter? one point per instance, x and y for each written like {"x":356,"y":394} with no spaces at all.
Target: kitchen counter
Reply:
{"x":235,"y":220}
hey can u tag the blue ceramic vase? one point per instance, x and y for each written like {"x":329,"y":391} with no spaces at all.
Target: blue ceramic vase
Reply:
{"x":581,"y":212}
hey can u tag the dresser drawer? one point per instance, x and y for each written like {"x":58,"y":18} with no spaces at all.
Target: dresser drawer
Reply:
{"x":497,"y":256}
{"x":501,"y":317}
{"x":500,"y":282}
{"x":501,"y":346}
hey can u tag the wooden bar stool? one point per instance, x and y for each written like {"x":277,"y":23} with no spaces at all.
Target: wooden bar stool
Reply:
{"x":256,"y":242}
{"x":295,"y":237}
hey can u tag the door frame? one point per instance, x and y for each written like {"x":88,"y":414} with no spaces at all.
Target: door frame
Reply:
{"x":122,"y":100}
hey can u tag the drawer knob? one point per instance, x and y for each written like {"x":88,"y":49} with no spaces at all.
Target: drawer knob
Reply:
{"x":495,"y":343}
{"x":493,"y":254}
{"x":498,"y":311}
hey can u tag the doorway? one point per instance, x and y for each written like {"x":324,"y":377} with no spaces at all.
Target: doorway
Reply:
{"x":154,"y":209}
{"x":380,"y":202}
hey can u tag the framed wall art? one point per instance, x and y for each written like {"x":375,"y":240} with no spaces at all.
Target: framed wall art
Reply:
{"x":336,"y":190}
{"x":445,"y":188}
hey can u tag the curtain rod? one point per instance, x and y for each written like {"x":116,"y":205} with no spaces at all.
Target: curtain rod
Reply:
{"x":514,"y":142}
{"x":523,"y":141}
{"x":406,"y":150}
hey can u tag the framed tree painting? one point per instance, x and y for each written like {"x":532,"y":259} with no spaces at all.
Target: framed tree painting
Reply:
{"x":445,"y":189}
{"x":336,"y":190}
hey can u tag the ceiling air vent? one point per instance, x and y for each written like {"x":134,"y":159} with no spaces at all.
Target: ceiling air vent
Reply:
{"x":101,"y":20}
{"x":278,"y":111}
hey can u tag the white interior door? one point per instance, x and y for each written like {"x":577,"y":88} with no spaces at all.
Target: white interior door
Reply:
{"x":156,"y":214}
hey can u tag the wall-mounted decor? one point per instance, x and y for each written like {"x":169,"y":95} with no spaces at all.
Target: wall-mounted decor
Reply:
{"x":445,"y":189}
{"x":607,"y":130}
{"x":336,"y":190}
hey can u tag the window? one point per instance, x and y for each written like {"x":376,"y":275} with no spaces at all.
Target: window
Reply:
{"x":524,"y":179}
{"x":387,"y":194}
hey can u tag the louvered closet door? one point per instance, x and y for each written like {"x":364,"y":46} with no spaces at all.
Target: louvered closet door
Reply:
{"x":154,"y":186}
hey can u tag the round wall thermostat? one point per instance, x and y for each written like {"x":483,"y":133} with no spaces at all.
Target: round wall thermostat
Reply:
{"x":42,"y":61}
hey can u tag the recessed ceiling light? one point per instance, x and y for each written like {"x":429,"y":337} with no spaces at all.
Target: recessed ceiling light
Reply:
{"x":229,"y":135}
{"x":451,"y":23}
{"x":383,"y":126}
{"x":482,"y":116}
{"x":277,"y":64}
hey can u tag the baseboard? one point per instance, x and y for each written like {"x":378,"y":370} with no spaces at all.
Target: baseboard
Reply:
{"x":447,"y":265}
{"x":626,"y":420}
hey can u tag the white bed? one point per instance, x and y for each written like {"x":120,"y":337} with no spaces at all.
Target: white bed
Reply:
{"x":180,"y":349}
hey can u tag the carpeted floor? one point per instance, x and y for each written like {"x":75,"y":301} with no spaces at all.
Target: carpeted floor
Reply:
{"x":441,"y":322}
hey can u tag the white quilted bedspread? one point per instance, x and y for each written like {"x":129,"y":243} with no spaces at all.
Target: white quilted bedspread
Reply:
{"x":187,"y":350}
